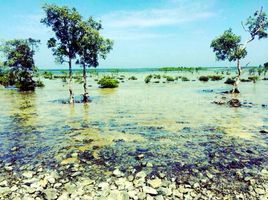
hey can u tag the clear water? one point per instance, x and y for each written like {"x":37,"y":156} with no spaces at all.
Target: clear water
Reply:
{"x":170,"y":115}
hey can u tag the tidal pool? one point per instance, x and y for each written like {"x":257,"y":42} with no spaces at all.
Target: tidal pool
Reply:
{"x":172,"y":128}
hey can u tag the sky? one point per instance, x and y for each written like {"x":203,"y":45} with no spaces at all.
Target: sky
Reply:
{"x":146,"y":33}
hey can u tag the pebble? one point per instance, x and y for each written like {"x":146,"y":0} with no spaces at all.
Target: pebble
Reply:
{"x":118,"y":173}
{"x":28,"y":174}
{"x":149,"y":190}
{"x":155,"y":183}
{"x":50,"y":193}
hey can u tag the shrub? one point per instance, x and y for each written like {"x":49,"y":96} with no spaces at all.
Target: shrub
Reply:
{"x":148,"y":78}
{"x":157,"y":76}
{"x":215,"y":77}
{"x":230,"y":81}
{"x":203,"y":78}
{"x":184,"y":78}
{"x":253,"y":78}
{"x":39,"y":83}
{"x":133,"y":78}
{"x":108,"y":82}
{"x":48,"y":75}
{"x":170,"y":78}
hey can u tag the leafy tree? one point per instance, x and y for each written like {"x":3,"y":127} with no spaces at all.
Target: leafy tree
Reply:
{"x":64,"y":22}
{"x":19,"y":59}
{"x":92,"y":47}
{"x":228,"y":46}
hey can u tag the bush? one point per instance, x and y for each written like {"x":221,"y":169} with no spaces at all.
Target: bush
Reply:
{"x":215,"y":77}
{"x":230,"y":81}
{"x":170,"y":78}
{"x":203,"y":78}
{"x":148,"y":78}
{"x":48,"y":75}
{"x":253,"y":78}
{"x":133,"y":78}
{"x":39,"y":83}
{"x":108,"y":82}
{"x":157,"y":76}
{"x":184,"y":78}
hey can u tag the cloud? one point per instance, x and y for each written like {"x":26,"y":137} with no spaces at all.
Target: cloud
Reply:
{"x":145,"y":24}
{"x":177,"y":13}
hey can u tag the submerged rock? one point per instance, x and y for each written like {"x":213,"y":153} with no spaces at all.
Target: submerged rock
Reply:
{"x":234,"y":103}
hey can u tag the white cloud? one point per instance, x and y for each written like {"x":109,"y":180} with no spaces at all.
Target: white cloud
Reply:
{"x":153,"y":18}
{"x":141,"y":24}
{"x":173,"y":14}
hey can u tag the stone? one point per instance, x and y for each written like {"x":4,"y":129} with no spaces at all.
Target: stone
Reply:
{"x":103,"y":185}
{"x":141,"y":175}
{"x":64,"y":196}
{"x":118,"y":173}
{"x":165,"y":191}
{"x":259,"y":191}
{"x":50,"y":193}
{"x":118,"y":195}
{"x":43,"y":183}
{"x":177,"y":193}
{"x":4,"y":191}
{"x":234,"y":103}
{"x":155,"y":183}
{"x":28,"y":174}
{"x":159,"y":197}
{"x":4,"y":183}
{"x":149,"y":190}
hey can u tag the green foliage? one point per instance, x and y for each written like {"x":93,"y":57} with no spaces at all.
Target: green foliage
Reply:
{"x":157,"y":76}
{"x":203,"y":78}
{"x":92,"y":45}
{"x":185,"y":78}
{"x":148,"y":78}
{"x":108,"y":82}
{"x":64,"y":23}
{"x":215,"y":77}
{"x":4,"y":76}
{"x":19,"y":60}
{"x":133,"y":78}
{"x":48,"y":75}
{"x":170,"y":78}
{"x":253,"y":78}
{"x":40,"y":83}
{"x":185,"y":69}
{"x":230,"y":81}
{"x":227,"y":47}
{"x":257,"y":25}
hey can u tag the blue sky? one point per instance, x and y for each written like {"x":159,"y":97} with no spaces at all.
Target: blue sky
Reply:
{"x":146,"y":33}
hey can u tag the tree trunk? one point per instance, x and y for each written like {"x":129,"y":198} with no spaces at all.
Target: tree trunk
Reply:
{"x":85,"y":95}
{"x":237,"y":80}
{"x":71,"y":99}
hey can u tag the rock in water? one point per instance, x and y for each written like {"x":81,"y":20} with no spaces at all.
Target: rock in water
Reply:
{"x":264,"y":131}
{"x":234,"y":103}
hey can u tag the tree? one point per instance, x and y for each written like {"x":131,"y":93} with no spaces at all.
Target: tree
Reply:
{"x":64,"y":22}
{"x":228,"y":46}
{"x":92,"y":47}
{"x":19,"y":59}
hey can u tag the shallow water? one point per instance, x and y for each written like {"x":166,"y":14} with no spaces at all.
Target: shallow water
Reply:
{"x":178,"y":115}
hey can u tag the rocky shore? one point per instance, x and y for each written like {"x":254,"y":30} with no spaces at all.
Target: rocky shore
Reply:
{"x":228,"y":170}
